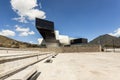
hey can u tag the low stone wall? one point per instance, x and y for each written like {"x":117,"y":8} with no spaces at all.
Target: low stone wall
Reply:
{"x":82,"y":48}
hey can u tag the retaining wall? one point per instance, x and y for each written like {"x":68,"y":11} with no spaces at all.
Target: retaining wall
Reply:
{"x":82,"y":48}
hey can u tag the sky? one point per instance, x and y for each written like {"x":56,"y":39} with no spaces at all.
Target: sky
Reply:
{"x":75,"y":18}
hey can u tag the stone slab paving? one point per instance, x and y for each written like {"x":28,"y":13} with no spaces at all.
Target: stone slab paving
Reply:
{"x":81,"y":66}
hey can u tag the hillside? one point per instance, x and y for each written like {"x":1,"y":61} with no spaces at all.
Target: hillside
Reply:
{"x":106,"y":41}
{"x":11,"y":43}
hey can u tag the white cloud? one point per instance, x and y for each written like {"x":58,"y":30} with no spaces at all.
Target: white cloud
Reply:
{"x":40,"y":40}
{"x":7,"y":33}
{"x":116,"y":33}
{"x":24,"y":31}
{"x":21,"y":19}
{"x":26,"y":9}
{"x":31,"y":32}
{"x":57,"y":34}
{"x":31,"y":42}
{"x":23,"y":34}
{"x":20,"y":29}
{"x":62,"y":38}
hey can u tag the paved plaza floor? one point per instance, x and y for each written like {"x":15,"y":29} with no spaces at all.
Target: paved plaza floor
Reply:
{"x":81,"y":66}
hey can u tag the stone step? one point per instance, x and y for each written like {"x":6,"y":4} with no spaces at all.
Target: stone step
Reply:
{"x":24,"y":74}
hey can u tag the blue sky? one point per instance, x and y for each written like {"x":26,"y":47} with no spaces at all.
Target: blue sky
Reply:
{"x":75,"y":18}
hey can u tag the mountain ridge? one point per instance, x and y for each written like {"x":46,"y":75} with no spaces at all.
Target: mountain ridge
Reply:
{"x":106,"y":40}
{"x":11,"y":43}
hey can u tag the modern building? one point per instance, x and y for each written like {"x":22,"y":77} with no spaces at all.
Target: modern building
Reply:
{"x":46,"y":29}
{"x":51,"y":37}
{"x":78,"y":41}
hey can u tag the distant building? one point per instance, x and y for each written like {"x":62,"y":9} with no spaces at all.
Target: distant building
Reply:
{"x":78,"y":41}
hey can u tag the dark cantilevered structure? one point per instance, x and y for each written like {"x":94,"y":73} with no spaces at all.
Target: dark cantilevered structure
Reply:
{"x":46,"y":29}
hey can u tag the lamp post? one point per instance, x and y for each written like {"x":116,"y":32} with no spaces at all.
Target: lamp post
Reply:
{"x":113,"y":45}
{"x":100,"y":45}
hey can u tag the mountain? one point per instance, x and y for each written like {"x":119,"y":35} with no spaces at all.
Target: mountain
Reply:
{"x":106,"y":41}
{"x":11,"y":43}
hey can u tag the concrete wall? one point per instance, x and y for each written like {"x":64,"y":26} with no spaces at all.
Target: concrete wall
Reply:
{"x":82,"y":48}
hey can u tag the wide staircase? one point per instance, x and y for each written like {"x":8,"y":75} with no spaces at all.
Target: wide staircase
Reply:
{"x":20,"y":64}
